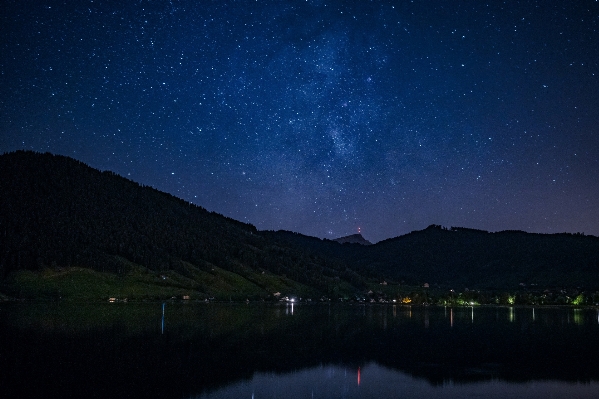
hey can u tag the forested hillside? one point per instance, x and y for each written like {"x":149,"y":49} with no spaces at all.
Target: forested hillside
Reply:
{"x":476,"y":258}
{"x":460,"y":258}
{"x":58,"y":212}
{"x":65,"y":219}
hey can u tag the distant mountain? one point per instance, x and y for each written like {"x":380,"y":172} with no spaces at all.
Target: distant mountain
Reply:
{"x":353,"y":239}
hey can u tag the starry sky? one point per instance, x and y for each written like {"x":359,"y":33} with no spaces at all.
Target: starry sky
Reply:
{"x":321,"y":117}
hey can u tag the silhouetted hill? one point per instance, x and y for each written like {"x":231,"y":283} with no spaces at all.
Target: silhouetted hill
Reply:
{"x":63,"y":218}
{"x":476,"y":258}
{"x":461,"y":257}
{"x":353,"y":239}
{"x":57,"y":212}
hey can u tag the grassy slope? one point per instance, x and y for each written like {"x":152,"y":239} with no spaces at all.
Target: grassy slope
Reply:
{"x":78,"y":283}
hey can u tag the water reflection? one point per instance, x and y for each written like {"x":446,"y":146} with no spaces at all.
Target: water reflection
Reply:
{"x":206,"y":350}
{"x":376,"y":381}
{"x":162,"y":322}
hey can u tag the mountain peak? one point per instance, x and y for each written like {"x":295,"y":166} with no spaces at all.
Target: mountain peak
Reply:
{"x":353,"y":239}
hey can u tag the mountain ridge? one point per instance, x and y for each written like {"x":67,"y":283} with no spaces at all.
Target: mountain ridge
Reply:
{"x":60,"y":213}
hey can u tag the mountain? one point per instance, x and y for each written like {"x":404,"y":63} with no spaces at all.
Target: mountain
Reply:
{"x":74,"y":223}
{"x":353,"y":239}
{"x":68,"y":230}
{"x":463,"y":257}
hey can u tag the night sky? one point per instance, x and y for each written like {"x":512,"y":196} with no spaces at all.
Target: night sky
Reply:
{"x":321,"y":117}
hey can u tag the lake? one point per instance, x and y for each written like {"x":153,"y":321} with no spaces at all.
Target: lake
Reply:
{"x":210,"y":350}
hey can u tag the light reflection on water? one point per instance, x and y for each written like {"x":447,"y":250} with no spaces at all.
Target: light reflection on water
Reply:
{"x":375,"y":381}
{"x":296,"y":350}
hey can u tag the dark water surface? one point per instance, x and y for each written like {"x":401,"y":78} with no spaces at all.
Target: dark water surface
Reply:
{"x":187,"y":350}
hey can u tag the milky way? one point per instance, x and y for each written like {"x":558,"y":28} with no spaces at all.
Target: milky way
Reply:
{"x":321,"y":117}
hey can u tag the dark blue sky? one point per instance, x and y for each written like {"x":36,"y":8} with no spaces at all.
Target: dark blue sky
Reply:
{"x":321,"y":116}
